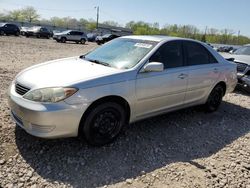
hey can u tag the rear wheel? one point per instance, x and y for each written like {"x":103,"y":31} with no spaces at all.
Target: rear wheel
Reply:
{"x":215,"y":98}
{"x":17,"y":33}
{"x":104,"y":123}
{"x":82,"y":41}
{"x":1,"y":32}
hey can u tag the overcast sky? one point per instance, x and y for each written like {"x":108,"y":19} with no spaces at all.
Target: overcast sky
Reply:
{"x":218,"y":14}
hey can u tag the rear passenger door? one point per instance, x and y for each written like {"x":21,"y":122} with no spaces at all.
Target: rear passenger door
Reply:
{"x":203,"y":71}
{"x":78,"y":35}
{"x":71,"y":36}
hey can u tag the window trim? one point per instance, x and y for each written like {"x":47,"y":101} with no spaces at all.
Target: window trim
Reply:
{"x":182,"y":52}
{"x":207,"y":51}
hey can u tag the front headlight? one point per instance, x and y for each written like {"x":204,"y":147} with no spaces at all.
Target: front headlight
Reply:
{"x":50,"y":94}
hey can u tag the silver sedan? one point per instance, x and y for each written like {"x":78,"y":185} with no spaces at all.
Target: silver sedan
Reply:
{"x":126,"y":80}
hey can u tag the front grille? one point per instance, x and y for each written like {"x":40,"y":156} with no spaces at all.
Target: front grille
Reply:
{"x":241,"y":67}
{"x":20,"y":89}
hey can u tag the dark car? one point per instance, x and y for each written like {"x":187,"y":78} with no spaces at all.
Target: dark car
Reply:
{"x":91,"y":37}
{"x":39,"y":32}
{"x":105,"y":38}
{"x":226,"y":49}
{"x":9,"y":29}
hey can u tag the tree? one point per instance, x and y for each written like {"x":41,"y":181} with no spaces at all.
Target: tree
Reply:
{"x":30,"y":14}
{"x":16,"y":15}
{"x":111,"y":23}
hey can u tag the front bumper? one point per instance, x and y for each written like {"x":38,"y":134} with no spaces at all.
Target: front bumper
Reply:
{"x":244,"y":80}
{"x":45,"y":120}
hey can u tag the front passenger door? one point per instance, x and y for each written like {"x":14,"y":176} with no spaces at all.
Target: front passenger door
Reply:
{"x":156,"y":91}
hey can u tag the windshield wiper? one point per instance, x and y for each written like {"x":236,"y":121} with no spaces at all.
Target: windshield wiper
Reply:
{"x":99,"y":62}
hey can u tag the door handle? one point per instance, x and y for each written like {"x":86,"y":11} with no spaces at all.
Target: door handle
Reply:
{"x":182,"y":76}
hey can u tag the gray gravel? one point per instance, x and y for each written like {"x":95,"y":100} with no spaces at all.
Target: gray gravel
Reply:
{"x":187,"y":148}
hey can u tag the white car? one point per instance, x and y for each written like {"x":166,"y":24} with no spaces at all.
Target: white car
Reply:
{"x":70,"y":35}
{"x":242,"y":58}
{"x":123,"y":81}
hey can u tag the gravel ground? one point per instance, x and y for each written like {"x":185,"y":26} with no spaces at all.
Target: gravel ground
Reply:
{"x":187,"y":148}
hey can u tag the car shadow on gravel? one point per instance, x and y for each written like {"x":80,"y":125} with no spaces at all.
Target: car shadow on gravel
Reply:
{"x":144,"y":147}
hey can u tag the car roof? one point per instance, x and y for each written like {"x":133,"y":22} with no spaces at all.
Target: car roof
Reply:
{"x":156,"y":38}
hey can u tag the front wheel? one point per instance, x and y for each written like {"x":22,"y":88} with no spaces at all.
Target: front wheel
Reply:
{"x":1,"y":32}
{"x":215,"y":98}
{"x":104,"y":123}
{"x":63,"y":39}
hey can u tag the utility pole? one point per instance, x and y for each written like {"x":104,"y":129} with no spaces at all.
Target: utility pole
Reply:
{"x":238,"y":37}
{"x":97,"y":16}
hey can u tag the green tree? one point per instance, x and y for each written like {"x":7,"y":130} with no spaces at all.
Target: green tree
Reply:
{"x":16,"y":15}
{"x":111,"y":23}
{"x":30,"y":14}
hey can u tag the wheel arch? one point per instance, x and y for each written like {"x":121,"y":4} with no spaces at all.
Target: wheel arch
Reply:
{"x":111,"y":98}
{"x":223,"y":85}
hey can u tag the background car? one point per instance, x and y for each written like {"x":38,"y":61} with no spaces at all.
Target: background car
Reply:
{"x":91,"y":37}
{"x":105,"y":38}
{"x":39,"y":32}
{"x":70,"y":35}
{"x":9,"y":29}
{"x":23,"y":30}
{"x":242,"y":58}
{"x":226,"y":49}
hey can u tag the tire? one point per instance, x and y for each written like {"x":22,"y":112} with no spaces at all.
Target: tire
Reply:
{"x":38,"y":36}
{"x":214,"y":99}
{"x":48,"y":37}
{"x":17,"y":33}
{"x":82,"y":41}
{"x":63,"y":39}
{"x":103,"y":123}
{"x":1,"y":32}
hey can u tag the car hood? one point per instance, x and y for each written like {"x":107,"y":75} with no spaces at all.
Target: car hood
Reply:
{"x":237,"y":58}
{"x":63,"y":72}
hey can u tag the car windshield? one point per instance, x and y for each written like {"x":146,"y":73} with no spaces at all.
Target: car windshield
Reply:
{"x":2,"y":24}
{"x":245,"y":50}
{"x":121,"y":53}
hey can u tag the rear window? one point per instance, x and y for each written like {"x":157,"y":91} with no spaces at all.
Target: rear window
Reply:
{"x":197,"y":54}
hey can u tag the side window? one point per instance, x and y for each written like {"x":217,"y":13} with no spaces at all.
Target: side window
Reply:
{"x":44,"y":29}
{"x":79,"y":33}
{"x":170,"y":54}
{"x":197,"y":54}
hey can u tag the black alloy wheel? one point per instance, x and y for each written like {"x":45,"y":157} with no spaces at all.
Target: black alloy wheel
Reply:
{"x":215,"y":98}
{"x":104,"y":123}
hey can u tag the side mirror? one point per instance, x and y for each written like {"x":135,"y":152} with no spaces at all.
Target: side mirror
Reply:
{"x":153,"y":67}
{"x":230,"y":59}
